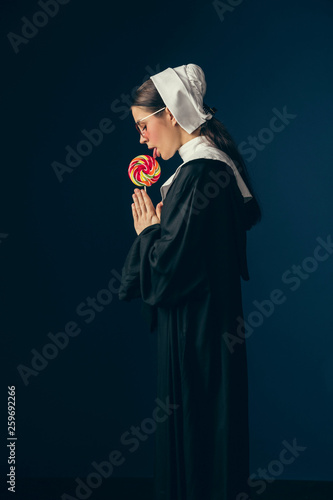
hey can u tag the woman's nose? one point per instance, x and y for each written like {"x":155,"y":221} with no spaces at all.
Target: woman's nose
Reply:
{"x":142,"y":139}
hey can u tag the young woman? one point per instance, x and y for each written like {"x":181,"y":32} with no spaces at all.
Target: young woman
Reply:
{"x":186,"y":264}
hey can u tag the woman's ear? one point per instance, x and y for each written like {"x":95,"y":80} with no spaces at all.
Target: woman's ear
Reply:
{"x":169,"y":112}
{"x":170,"y":116}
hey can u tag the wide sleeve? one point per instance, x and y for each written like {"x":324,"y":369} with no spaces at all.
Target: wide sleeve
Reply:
{"x":166,"y":262}
{"x":130,"y":287}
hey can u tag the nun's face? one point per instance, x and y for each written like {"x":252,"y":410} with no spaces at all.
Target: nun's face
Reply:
{"x":160,"y":131}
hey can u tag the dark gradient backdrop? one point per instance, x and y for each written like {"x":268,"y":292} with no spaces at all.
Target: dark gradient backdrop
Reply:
{"x":62,"y":242}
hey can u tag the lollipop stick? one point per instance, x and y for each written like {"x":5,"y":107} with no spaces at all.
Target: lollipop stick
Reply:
{"x":145,"y":188}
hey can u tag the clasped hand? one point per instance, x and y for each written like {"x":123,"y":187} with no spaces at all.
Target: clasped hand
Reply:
{"x":143,"y":211}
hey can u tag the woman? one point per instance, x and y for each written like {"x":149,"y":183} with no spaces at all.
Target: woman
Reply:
{"x":186,"y":264}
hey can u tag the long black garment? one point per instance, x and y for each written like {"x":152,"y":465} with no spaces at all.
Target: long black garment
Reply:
{"x":188,"y":270}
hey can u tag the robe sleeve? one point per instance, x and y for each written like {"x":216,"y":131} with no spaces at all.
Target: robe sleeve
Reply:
{"x":166,"y":263}
{"x":130,"y":277}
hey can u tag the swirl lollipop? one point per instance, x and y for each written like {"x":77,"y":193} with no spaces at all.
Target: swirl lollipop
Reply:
{"x":144,"y":171}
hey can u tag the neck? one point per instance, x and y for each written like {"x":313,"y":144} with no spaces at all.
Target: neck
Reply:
{"x":185,"y":137}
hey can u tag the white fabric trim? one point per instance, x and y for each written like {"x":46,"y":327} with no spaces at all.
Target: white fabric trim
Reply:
{"x":200,"y":147}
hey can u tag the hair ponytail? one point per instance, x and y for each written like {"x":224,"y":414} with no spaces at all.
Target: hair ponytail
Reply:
{"x":218,"y":135}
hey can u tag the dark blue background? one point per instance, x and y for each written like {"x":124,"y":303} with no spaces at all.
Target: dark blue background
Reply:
{"x":64,"y":238}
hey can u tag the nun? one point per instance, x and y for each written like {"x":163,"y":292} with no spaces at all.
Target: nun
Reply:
{"x":186,"y":265}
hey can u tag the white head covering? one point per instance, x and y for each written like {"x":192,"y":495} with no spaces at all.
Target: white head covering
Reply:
{"x":182,"y":90}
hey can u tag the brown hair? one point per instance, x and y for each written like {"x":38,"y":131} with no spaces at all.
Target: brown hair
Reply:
{"x":148,"y":97}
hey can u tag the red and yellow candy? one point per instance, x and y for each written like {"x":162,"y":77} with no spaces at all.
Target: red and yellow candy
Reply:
{"x":144,"y":170}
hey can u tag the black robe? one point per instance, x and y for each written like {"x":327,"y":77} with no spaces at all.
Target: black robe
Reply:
{"x":188,"y":270}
